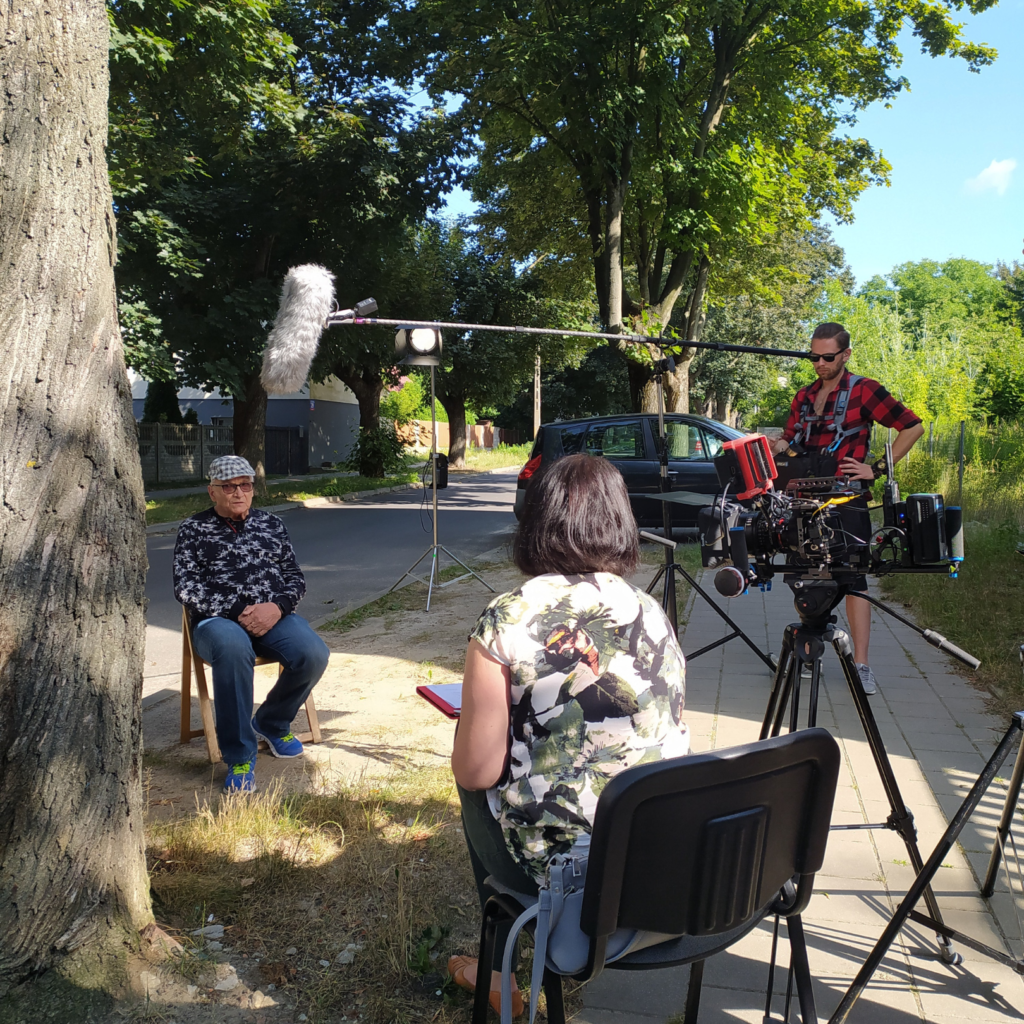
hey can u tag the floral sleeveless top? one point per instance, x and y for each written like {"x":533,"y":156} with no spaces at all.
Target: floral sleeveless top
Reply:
{"x":598,"y":683}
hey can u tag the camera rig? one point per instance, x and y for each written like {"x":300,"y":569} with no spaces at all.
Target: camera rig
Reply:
{"x":810,"y":525}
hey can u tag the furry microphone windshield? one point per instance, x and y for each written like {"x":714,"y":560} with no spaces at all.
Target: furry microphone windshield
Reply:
{"x":306,"y":299}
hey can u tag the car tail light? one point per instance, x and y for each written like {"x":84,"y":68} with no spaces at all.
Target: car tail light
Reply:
{"x":529,"y":469}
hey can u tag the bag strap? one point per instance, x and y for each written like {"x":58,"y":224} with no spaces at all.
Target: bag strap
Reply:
{"x":562,"y":870}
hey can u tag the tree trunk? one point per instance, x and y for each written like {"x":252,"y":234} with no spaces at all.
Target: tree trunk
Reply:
{"x":613,"y":236}
{"x":73,"y":882}
{"x":366,"y":384}
{"x":457,"y":435}
{"x":641,"y":386}
{"x":250,"y":426}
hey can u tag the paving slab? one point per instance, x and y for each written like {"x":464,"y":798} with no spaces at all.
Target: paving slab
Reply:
{"x":938,"y":735}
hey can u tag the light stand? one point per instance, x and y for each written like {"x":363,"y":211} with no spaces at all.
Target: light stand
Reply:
{"x":423,"y":355}
{"x":667,"y":572}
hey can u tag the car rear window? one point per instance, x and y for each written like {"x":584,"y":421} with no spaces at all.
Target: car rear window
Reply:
{"x":622,"y":440}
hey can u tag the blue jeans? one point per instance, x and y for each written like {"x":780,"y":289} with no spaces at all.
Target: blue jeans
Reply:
{"x":232,"y":654}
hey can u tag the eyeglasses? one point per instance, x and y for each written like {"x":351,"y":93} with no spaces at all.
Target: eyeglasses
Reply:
{"x":829,"y":357}
{"x":231,"y":488}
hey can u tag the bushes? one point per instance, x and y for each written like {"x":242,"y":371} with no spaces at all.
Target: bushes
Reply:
{"x":378,"y":452}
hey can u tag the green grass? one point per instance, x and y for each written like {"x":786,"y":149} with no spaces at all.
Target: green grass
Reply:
{"x":171,"y":509}
{"x":378,"y":865}
{"x":981,"y":612}
{"x":498,"y":458}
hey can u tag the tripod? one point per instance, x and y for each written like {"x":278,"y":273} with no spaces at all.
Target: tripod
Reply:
{"x":670,"y":568}
{"x":803,"y":644}
{"x":921,"y":887}
{"x":435,"y":547}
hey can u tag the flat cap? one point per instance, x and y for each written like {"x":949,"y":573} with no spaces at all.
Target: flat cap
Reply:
{"x":227,"y":467}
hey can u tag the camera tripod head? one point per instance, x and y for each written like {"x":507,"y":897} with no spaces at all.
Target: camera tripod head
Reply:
{"x":815,"y":599}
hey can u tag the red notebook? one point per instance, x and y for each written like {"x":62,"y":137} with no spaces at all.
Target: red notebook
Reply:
{"x":446,"y":697}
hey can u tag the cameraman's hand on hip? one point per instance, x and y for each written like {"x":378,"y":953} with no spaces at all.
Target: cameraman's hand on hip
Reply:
{"x":854,"y":470}
{"x":258,"y":619}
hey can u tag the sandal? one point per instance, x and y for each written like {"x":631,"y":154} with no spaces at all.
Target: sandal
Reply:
{"x":457,"y":969}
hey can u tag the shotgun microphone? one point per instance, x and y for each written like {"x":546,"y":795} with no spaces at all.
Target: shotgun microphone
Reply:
{"x":306,"y":300}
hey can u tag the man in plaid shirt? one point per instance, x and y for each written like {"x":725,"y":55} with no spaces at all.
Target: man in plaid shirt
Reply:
{"x":815,"y":423}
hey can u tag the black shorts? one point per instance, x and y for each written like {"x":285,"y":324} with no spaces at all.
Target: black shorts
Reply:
{"x":856,"y":522}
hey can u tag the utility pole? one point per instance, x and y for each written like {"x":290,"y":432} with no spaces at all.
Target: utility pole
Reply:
{"x":536,"y":395}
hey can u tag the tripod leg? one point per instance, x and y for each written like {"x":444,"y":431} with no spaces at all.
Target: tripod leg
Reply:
{"x":1012,"y":796}
{"x":433,"y":574}
{"x":409,"y":571}
{"x":654,"y":582}
{"x":780,"y":692}
{"x":790,"y":688}
{"x":923,"y":880}
{"x":812,"y":697}
{"x":900,"y":820}
{"x":766,"y":658}
{"x":797,"y":672}
{"x":668,"y":601}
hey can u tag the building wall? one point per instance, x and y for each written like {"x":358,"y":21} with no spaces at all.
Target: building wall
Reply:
{"x":328,"y":413}
{"x":333,"y":427}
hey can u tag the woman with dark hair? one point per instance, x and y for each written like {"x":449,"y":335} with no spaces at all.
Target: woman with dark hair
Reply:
{"x":569,"y":679}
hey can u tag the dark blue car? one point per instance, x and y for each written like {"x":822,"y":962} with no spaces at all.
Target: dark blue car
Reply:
{"x":629,"y":442}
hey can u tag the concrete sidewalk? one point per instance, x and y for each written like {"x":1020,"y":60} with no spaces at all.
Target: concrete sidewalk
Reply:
{"x":938,"y":737}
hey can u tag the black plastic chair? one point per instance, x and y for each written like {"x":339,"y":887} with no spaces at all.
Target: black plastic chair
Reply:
{"x":703,"y":847}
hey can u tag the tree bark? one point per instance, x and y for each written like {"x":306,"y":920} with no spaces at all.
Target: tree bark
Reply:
{"x":368,"y":387}
{"x":73,"y":882}
{"x":613,"y":236}
{"x":457,"y":435}
{"x":249,"y":427}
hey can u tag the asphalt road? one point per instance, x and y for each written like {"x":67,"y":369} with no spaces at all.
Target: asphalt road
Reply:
{"x":352,"y":552}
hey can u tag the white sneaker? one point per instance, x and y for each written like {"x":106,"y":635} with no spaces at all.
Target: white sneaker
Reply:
{"x":867,"y":679}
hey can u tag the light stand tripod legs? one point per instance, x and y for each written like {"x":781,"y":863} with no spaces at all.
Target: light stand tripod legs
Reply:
{"x":667,"y":572}
{"x":432,"y":581}
{"x":436,"y":547}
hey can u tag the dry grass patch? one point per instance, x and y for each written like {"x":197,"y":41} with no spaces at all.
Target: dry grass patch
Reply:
{"x":352,"y":899}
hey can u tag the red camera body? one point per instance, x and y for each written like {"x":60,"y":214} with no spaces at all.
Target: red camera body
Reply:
{"x":747,"y":462}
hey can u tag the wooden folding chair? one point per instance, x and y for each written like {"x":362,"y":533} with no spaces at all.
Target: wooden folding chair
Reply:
{"x":191,"y":662}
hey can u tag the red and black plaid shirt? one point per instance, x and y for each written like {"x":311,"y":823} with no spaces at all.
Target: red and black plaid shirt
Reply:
{"x":869,"y":403}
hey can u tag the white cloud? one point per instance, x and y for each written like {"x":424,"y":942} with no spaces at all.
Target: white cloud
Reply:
{"x":995,"y":177}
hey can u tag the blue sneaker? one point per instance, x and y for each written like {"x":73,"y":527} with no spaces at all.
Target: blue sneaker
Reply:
{"x":282,"y":746}
{"x":241,"y":778}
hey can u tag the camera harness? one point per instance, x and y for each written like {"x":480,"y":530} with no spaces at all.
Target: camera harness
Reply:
{"x":837,"y":416}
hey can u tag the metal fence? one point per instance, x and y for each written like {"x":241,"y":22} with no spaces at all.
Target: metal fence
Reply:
{"x":172,"y":452}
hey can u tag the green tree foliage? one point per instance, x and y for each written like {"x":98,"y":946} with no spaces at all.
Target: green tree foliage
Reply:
{"x":598,"y":386}
{"x":763,"y":296}
{"x":303,"y":157}
{"x":469,"y":283}
{"x":946,"y":332}
{"x":161,"y":405}
{"x":662,"y":135}
{"x":405,"y":400}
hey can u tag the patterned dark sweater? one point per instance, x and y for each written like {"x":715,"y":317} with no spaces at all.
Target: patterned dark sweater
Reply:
{"x":221,"y":565}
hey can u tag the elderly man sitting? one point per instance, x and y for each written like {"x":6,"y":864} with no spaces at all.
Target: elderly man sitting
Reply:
{"x":236,"y":574}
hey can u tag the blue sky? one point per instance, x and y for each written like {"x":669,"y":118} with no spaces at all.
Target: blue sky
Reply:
{"x":956,"y":145}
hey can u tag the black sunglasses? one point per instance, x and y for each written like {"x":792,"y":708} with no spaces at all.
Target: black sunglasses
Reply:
{"x":829,"y":357}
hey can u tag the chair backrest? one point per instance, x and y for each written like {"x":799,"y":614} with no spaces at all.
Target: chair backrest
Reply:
{"x":697,"y":845}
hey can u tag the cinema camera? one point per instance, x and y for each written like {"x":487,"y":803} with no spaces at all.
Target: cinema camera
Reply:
{"x":806,"y":524}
